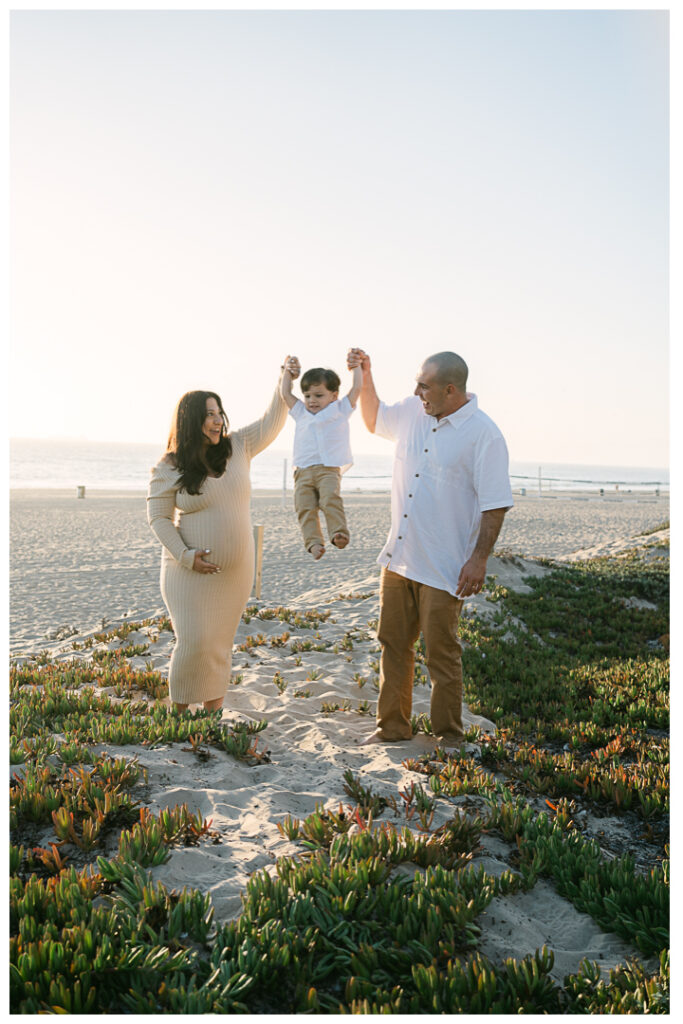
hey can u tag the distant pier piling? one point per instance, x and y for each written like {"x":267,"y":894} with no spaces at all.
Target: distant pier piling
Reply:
{"x":258,"y":560}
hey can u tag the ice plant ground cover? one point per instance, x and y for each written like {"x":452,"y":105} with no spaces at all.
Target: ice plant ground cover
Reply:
{"x":381,"y":903}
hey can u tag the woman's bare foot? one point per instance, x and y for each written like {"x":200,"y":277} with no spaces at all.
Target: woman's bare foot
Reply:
{"x":213,"y":705}
{"x":374,"y":737}
{"x":340,"y":540}
{"x":317,"y":550}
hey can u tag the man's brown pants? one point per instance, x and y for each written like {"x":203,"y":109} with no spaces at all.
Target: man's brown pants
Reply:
{"x":406,"y":608}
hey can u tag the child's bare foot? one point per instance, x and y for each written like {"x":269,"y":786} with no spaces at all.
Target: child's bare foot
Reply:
{"x":317,"y":550}
{"x":340,"y":540}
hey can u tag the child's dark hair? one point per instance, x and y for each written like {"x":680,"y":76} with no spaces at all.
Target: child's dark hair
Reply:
{"x":320,"y":376}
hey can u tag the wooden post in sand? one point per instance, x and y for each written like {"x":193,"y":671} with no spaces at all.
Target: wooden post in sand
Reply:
{"x":258,"y":560}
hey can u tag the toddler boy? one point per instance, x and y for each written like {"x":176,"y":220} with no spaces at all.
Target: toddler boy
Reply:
{"x":322,"y":450}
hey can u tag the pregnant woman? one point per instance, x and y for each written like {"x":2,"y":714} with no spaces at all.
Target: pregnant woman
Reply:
{"x":198,"y":507}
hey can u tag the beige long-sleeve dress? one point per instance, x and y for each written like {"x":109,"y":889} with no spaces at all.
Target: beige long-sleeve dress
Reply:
{"x":205,"y":608}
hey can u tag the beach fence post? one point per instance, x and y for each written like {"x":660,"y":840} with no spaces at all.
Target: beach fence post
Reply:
{"x":80,"y":491}
{"x":284,"y":483}
{"x":540,"y":482}
{"x":258,"y":560}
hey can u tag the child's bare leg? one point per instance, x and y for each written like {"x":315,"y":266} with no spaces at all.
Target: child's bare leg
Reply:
{"x":317,"y":550}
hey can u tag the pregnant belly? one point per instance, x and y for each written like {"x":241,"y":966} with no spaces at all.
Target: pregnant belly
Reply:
{"x":230,"y":544}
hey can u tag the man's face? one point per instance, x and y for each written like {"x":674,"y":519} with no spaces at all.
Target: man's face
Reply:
{"x":317,"y":397}
{"x":437,"y":399}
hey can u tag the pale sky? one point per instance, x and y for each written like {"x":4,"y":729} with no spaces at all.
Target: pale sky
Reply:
{"x":196,"y":194}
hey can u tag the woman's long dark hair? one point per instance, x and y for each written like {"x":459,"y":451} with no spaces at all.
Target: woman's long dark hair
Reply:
{"x":186,"y":442}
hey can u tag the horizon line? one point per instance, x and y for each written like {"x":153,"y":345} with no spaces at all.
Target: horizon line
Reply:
{"x":287,"y":453}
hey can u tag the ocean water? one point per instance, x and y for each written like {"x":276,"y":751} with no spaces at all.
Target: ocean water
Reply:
{"x":112,"y":466}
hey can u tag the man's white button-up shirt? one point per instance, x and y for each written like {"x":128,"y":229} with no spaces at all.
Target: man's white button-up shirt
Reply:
{"x":322,"y":438}
{"x":446,"y":473}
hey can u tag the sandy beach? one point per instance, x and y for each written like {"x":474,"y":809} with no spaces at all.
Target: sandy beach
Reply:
{"x":79,"y":564}
{"x":76,"y":562}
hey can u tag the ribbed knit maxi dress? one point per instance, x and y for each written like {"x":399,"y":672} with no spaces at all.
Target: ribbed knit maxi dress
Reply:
{"x":205,"y":608}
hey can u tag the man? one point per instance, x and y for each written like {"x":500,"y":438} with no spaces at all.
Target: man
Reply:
{"x":450,"y":492}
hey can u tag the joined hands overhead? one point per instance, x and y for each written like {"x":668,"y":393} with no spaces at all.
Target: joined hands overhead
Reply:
{"x":357,"y":357}
{"x":292,"y":366}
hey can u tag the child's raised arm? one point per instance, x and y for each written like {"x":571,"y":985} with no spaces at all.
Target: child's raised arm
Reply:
{"x":290,"y":371}
{"x":357,"y":381}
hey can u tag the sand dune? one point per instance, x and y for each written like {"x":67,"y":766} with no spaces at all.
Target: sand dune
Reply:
{"x":75,"y":563}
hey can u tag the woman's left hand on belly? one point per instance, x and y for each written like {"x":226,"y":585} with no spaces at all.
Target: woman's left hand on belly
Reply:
{"x":201,"y":565}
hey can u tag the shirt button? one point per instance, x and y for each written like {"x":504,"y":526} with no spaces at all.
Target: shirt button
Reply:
{"x":410,"y":495}
{"x":433,"y":430}
{"x":426,"y":449}
{"x":417,"y":474}
{"x":405,"y":515}
{"x":400,"y":537}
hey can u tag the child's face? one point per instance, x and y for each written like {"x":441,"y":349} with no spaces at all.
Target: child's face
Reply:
{"x":317,"y":397}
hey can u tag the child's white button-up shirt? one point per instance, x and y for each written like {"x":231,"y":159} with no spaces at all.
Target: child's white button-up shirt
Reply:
{"x":322,"y":438}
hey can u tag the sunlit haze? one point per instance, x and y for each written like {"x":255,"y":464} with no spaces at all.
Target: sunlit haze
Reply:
{"x":196,"y":194}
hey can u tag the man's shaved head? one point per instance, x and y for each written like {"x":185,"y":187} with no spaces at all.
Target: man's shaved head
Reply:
{"x":449,"y":369}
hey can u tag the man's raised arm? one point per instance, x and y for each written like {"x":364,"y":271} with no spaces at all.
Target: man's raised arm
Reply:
{"x":369,"y":401}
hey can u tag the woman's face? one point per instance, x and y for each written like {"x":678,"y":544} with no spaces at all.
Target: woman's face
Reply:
{"x":212,"y":428}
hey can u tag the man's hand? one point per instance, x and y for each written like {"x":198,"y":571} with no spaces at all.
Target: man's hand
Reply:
{"x":473,"y":573}
{"x":472,"y":577}
{"x":357,"y":357}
